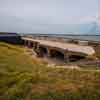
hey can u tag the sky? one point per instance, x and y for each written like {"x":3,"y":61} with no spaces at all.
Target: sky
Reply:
{"x":47,"y":16}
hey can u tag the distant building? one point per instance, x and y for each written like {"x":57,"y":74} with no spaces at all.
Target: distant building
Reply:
{"x":80,"y":42}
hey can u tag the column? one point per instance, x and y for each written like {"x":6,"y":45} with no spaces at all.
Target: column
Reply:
{"x":37,"y":50}
{"x":28,"y":44}
{"x":48,"y":52}
{"x":66,"y":56}
{"x":24,"y":42}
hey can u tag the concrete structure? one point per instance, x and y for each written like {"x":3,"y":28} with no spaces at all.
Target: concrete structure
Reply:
{"x":82,"y":42}
{"x":66,"y":51}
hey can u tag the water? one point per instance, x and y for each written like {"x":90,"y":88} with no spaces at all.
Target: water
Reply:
{"x":92,"y":38}
{"x":81,"y":37}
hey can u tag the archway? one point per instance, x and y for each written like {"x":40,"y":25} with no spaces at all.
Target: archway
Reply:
{"x":57,"y":54}
{"x":31,"y":44}
{"x":43,"y":51}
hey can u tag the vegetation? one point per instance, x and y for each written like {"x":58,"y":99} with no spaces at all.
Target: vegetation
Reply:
{"x":25,"y":78}
{"x":97,"y":48}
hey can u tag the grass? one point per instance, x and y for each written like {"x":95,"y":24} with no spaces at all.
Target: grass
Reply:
{"x":25,"y":78}
{"x":97,"y":48}
{"x":92,"y":66}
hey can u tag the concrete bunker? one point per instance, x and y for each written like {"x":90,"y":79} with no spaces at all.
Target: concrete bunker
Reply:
{"x":58,"y":50}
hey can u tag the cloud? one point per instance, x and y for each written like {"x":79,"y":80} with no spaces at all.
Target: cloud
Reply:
{"x":45,"y":15}
{"x":88,"y":19}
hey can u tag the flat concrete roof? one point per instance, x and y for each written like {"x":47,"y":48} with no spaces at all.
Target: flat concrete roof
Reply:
{"x":88,"y":50}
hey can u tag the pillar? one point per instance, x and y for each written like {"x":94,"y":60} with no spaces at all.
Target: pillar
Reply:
{"x":28,"y":44}
{"x":66,"y":56}
{"x":25,"y":42}
{"x":37,"y":50}
{"x":48,"y":52}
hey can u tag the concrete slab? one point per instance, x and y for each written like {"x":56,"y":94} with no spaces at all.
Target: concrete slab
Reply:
{"x":88,"y":50}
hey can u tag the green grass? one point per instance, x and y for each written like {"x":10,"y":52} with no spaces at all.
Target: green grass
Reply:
{"x":25,"y":78}
{"x":97,"y":48}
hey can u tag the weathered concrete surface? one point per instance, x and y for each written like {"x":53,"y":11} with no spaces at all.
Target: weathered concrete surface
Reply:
{"x":74,"y":48}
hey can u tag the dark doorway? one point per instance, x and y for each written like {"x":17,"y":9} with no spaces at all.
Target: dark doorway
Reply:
{"x":43,"y":51}
{"x":73,"y":58}
{"x":57,"y":54}
{"x":35,"y":45}
{"x":31,"y":44}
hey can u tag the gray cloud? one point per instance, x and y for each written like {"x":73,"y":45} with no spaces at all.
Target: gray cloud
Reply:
{"x":47,"y":16}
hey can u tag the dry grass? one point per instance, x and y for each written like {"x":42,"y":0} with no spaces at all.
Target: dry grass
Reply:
{"x":26,"y":78}
{"x":97,"y":48}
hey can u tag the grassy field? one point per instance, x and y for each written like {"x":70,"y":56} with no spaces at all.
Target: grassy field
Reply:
{"x":97,"y":51}
{"x":25,"y":78}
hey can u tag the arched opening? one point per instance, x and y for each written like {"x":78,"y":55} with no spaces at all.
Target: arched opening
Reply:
{"x":30,"y":44}
{"x":74,"y":58}
{"x":42,"y":51}
{"x":57,"y":54}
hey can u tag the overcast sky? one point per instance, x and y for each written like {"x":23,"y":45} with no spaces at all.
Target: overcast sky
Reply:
{"x":46,"y":16}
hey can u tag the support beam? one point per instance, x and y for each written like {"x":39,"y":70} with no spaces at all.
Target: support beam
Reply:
{"x":66,"y":56}
{"x":48,"y":52}
{"x":25,"y":42}
{"x":37,"y":50}
{"x":28,"y":44}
